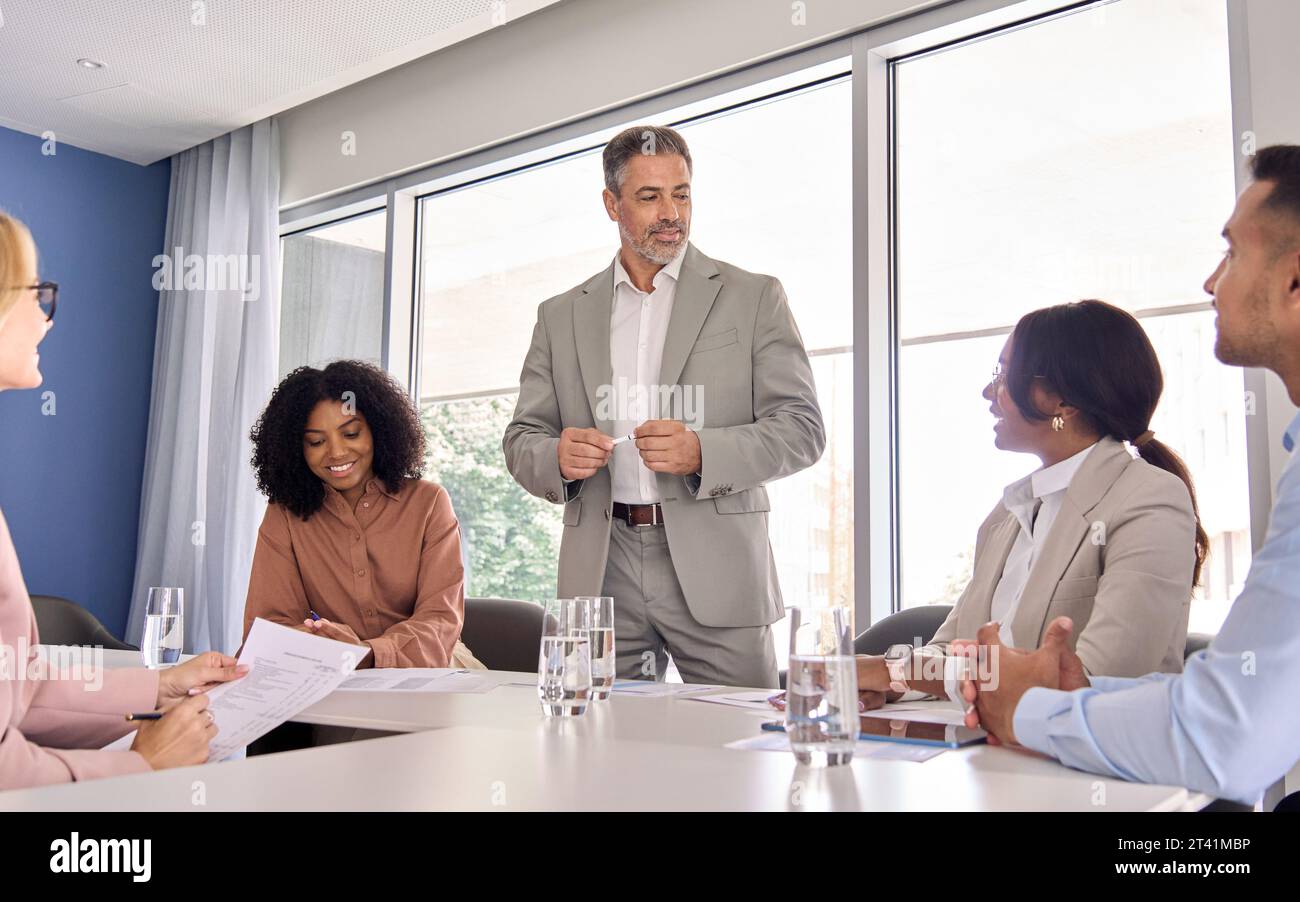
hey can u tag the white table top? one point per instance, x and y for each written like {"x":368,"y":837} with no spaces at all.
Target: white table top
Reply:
{"x":576,"y":765}
{"x":496,"y":751}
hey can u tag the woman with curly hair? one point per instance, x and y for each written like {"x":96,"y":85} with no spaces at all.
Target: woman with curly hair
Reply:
{"x":355,"y":546}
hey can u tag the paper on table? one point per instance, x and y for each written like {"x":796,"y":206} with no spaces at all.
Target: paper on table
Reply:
{"x":289,"y":670}
{"x":751,"y":700}
{"x":419,"y":679}
{"x":650,"y":687}
{"x":897,"y":751}
{"x":936,"y":713}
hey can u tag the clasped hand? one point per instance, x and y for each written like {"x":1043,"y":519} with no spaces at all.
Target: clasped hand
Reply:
{"x":665,"y":446}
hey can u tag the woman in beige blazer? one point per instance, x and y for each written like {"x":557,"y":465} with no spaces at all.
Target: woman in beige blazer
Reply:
{"x":1107,"y":532}
{"x":53,"y":723}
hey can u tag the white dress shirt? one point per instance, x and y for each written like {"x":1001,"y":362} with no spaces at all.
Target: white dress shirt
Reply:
{"x":1035,"y":502}
{"x":638,"y":326}
{"x":1228,"y":725}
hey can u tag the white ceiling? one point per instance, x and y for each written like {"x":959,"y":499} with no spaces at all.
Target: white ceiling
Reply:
{"x":170,"y":83}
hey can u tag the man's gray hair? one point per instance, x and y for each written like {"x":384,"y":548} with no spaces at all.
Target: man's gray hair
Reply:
{"x":640,"y":139}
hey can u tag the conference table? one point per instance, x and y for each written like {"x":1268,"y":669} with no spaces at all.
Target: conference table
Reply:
{"x":495,"y":750}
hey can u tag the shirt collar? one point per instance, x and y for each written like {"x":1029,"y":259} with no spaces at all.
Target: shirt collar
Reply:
{"x":373,"y":484}
{"x":672,"y":270}
{"x":378,"y":484}
{"x":1292,"y":435}
{"x":1044,"y":482}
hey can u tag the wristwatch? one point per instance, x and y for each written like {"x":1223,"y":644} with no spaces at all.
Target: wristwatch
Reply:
{"x":898,"y":660}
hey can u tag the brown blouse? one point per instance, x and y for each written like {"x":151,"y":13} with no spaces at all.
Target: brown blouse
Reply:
{"x":391,"y":570}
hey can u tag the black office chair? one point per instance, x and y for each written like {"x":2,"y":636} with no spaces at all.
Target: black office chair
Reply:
{"x":63,"y":622}
{"x":903,"y":628}
{"x":503,"y":633}
{"x":1196,"y":642}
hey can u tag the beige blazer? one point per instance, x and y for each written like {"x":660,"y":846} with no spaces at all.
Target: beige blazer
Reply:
{"x":1118,"y":560}
{"x":732,"y":339}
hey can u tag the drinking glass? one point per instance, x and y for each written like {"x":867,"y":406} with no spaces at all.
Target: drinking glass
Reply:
{"x":601,"y":643}
{"x":164,"y":628}
{"x":821,"y":714}
{"x":564,"y":661}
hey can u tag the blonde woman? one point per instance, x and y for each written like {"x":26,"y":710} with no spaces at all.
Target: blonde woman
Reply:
{"x":52,"y":728}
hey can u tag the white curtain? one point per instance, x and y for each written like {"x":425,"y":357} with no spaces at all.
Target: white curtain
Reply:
{"x":215,"y":365}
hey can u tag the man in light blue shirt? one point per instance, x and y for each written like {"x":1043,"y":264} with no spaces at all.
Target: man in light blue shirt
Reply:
{"x":1229,"y":725}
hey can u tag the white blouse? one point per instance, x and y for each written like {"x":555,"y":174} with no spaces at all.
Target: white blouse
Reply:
{"x":1035,"y":502}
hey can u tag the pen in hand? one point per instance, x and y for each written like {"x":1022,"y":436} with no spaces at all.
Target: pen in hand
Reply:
{"x":152,"y":715}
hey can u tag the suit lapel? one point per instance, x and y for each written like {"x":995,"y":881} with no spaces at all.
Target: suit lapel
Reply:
{"x":1099,"y":471}
{"x":697,"y":288}
{"x":978,"y":607}
{"x":591,"y":315}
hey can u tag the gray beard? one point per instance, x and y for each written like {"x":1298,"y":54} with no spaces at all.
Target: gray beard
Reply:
{"x":653,"y":250}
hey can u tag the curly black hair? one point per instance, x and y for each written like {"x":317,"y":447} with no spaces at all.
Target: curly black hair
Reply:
{"x":282,"y":472}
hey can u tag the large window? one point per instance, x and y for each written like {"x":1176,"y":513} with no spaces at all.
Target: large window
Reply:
{"x":1087,"y":156}
{"x":332,"y":294}
{"x":1083,"y":155}
{"x":771,"y":194}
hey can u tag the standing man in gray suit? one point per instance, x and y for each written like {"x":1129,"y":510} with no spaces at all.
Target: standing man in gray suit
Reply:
{"x":702,"y":364}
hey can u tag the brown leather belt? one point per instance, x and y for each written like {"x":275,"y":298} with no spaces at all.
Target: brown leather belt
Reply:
{"x":639,"y":514}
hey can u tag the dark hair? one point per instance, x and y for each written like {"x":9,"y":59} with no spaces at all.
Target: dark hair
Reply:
{"x":1280,"y":164}
{"x":637,"y":140}
{"x":1098,"y":359}
{"x":278,"y":462}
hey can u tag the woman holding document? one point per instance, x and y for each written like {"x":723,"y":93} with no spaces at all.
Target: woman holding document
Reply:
{"x":52,"y":723}
{"x":1106,"y":531}
{"x":355,"y":546}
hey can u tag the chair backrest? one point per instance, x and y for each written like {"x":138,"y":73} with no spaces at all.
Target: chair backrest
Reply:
{"x":503,"y":633}
{"x":63,"y":622}
{"x":1196,"y":642}
{"x":901,"y":629}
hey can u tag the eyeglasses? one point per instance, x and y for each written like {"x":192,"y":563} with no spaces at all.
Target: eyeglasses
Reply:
{"x":47,"y":295}
{"x":999,"y":376}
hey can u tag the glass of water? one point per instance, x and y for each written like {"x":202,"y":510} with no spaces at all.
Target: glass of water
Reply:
{"x":564,"y":662}
{"x":821,"y":714}
{"x":164,"y":628}
{"x":601,"y":635}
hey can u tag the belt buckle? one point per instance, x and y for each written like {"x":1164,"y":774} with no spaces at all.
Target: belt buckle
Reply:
{"x":655,"y":519}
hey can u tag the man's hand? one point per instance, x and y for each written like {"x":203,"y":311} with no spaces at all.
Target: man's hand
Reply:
{"x":582,"y":452}
{"x":667,"y":446}
{"x":1053,"y":666}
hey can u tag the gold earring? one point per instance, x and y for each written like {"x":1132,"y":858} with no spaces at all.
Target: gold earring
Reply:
{"x":1058,"y":423}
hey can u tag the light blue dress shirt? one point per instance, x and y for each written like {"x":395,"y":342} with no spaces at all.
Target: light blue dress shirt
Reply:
{"x":1229,"y":725}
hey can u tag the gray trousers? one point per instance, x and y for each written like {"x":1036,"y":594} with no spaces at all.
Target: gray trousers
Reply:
{"x":651,"y":620}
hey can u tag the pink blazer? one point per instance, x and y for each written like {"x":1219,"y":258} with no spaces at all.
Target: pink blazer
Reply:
{"x":51,"y":729}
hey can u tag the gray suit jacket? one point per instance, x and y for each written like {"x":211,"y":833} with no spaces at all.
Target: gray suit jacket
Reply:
{"x":1118,"y":560}
{"x":731,"y":334}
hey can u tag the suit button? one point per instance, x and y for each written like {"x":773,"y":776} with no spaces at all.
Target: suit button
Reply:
{"x":552,"y":497}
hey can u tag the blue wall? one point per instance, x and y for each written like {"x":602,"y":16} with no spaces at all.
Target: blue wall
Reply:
{"x":70,"y":483}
